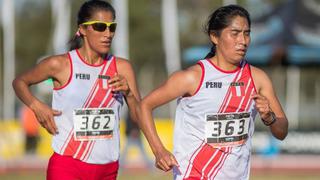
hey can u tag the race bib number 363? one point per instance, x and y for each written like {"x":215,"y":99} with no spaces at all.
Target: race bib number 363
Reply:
{"x":227,"y":129}
{"x":93,"y":123}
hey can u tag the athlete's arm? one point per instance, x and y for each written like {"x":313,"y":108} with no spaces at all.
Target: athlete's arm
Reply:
{"x":126,"y":82}
{"x":179,"y":84}
{"x":52,"y":67}
{"x":268,"y":103}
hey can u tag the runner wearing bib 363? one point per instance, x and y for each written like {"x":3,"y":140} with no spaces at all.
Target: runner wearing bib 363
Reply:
{"x":218,"y":99}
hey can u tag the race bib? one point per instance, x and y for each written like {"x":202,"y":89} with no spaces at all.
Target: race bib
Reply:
{"x":227,"y":129}
{"x":93,"y":123}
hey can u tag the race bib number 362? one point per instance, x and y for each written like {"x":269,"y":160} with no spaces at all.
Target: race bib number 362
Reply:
{"x":93,"y":123}
{"x":227,"y":129}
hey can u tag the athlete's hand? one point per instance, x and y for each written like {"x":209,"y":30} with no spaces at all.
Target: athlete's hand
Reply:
{"x":165,"y":160}
{"x":44,"y":115}
{"x":119,"y":83}
{"x":262,"y":106}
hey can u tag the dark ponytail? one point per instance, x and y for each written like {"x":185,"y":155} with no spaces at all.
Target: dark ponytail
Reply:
{"x":212,"y":52}
{"x":221,"y":18}
{"x":85,"y":13}
{"x":75,"y":42}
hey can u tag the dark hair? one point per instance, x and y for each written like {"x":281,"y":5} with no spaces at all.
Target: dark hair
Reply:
{"x":85,"y":13}
{"x":221,"y":18}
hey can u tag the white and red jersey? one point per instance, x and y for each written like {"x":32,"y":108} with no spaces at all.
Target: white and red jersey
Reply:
{"x":87,"y":90}
{"x":213,"y":128}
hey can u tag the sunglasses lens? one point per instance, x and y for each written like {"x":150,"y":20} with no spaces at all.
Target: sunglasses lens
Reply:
{"x":113,"y":27}
{"x":99,"y":27}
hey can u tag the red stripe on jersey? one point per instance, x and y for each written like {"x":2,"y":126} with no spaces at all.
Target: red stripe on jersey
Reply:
{"x":247,"y":97}
{"x":213,"y":163}
{"x":101,"y":93}
{"x":71,"y":147}
{"x":228,"y":94}
{"x":65,"y":142}
{"x":88,"y":152}
{"x":249,"y":104}
{"x":235,"y":99}
{"x":86,"y":149}
{"x":201,"y":159}
{"x":97,"y":102}
{"x":192,"y":158}
{"x":220,"y":164}
{"x":245,"y":77}
{"x":94,"y":87}
{"x":81,"y":149}
{"x":112,"y":70}
{"x":201,"y":80}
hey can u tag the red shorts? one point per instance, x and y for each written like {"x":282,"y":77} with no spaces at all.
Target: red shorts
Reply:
{"x":67,"y":168}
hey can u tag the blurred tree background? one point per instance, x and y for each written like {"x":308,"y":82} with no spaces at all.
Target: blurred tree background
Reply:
{"x":34,"y":29}
{"x":35,"y":26}
{"x":33,"y":34}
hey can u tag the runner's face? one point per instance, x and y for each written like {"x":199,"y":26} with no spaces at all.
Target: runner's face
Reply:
{"x":233,"y":42}
{"x":99,"y":41}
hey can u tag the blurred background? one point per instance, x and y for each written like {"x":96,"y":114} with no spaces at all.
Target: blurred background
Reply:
{"x":159,"y":37}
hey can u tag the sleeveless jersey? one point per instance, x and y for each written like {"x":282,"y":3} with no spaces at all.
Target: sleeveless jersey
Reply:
{"x":87,"y":90}
{"x":221,"y":102}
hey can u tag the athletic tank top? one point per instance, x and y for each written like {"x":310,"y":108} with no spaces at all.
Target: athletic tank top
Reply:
{"x":89,"y":124}
{"x":213,"y":128}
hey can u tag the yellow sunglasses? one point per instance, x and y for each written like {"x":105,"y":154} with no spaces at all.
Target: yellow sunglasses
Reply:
{"x":101,"y":26}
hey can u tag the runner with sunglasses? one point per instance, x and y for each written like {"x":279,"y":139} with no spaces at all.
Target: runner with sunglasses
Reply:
{"x":219,"y":98}
{"x":89,"y":87}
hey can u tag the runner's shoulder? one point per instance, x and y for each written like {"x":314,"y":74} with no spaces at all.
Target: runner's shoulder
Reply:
{"x":189,"y":76}
{"x":260,"y":77}
{"x":123,"y":65}
{"x":122,"y":61}
{"x":57,"y":62}
{"x":194,"y":72}
{"x":258,"y":73}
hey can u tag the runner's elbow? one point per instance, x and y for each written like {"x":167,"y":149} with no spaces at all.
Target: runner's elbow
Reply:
{"x":16,"y":83}
{"x":281,"y":136}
